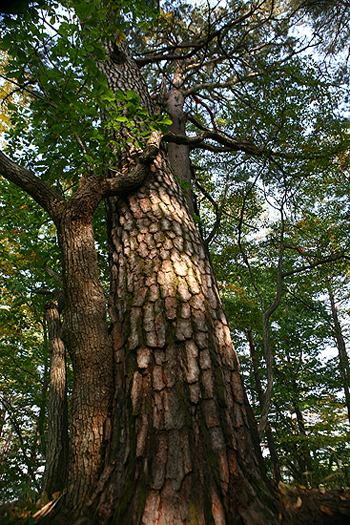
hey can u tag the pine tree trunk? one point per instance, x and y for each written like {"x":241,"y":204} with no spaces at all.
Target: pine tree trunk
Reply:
{"x":182,"y":448}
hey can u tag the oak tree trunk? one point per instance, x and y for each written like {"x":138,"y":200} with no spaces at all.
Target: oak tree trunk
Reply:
{"x":85,"y":334}
{"x":56,"y":467}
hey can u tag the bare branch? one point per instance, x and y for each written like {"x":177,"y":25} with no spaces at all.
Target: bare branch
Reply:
{"x":314,"y":265}
{"x":208,"y":86}
{"x":172,"y":55}
{"x":231,"y":144}
{"x":211,"y":147}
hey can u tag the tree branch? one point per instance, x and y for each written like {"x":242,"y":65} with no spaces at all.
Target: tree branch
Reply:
{"x":125,"y":182}
{"x":196,"y":46}
{"x":231,"y":144}
{"x":314,"y":265}
{"x":208,"y":86}
{"x":47,"y":197}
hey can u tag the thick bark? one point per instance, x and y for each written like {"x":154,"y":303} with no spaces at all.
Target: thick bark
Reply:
{"x":182,"y":448}
{"x":56,"y":468}
{"x":85,"y":334}
{"x":84,"y":329}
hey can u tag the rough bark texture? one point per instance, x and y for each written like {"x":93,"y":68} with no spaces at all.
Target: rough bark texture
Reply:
{"x":181,"y":448}
{"x":56,"y":466}
{"x":85,"y":334}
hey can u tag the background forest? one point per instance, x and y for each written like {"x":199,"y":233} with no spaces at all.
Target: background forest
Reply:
{"x":272,"y":204}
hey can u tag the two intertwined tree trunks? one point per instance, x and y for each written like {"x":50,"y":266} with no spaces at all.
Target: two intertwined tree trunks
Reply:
{"x":162,"y":432}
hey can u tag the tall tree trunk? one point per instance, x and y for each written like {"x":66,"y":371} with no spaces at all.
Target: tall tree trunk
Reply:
{"x":56,"y":468}
{"x":270,"y":441}
{"x":183,"y":448}
{"x":85,"y":334}
{"x":343,"y":356}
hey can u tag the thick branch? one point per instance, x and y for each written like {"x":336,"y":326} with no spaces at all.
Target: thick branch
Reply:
{"x":90,"y":190}
{"x":128,"y":181}
{"x":42,"y":193}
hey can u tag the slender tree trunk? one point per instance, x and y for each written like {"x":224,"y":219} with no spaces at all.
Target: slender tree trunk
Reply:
{"x":44,"y":390}
{"x":303,"y":457}
{"x":293,"y":456}
{"x":343,"y":356}
{"x":179,"y":154}
{"x":303,"y":452}
{"x":56,"y":468}
{"x":85,"y":334}
{"x":270,"y":441}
